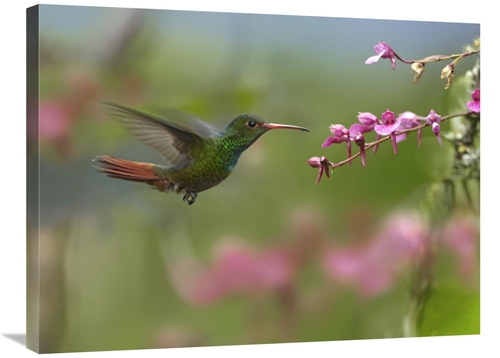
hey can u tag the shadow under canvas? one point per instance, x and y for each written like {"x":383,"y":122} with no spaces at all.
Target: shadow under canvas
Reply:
{"x":17,"y":337}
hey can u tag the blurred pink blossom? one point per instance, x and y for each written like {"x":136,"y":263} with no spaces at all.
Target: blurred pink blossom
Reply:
{"x":58,"y":113}
{"x":357,"y":266}
{"x":402,"y":239}
{"x":55,"y":121}
{"x":461,"y":236}
{"x":373,"y":266}
{"x":238,"y":269}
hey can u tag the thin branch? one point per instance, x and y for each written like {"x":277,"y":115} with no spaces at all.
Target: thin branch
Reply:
{"x":437,"y":58}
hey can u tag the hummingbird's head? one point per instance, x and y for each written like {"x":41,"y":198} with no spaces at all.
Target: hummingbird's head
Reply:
{"x":249,"y":127}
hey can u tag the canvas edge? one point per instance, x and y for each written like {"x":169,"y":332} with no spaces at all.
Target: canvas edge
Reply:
{"x":32,"y":181}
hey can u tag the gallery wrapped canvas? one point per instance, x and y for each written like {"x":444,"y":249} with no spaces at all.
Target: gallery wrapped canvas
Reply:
{"x":358,"y":219}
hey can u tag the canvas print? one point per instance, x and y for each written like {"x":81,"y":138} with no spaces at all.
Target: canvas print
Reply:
{"x":313,"y":179}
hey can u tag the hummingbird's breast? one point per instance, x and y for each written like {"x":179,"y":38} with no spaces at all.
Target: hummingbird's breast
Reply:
{"x":210,"y":168}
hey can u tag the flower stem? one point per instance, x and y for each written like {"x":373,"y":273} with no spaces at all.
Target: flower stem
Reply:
{"x":437,"y":58}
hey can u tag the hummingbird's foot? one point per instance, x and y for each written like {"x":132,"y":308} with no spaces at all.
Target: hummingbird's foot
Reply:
{"x":190,"y":198}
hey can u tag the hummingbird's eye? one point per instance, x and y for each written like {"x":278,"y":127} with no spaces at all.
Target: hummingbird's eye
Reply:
{"x":251,"y":124}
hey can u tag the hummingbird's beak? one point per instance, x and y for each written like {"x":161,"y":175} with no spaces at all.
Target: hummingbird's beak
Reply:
{"x":283,"y":126}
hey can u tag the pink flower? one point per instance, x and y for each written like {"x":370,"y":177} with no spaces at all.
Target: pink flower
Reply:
{"x":368,"y":120}
{"x":382,"y":50}
{"x":359,"y":139}
{"x":475,"y":105}
{"x":323,"y":165}
{"x":433,"y":119}
{"x":402,"y":239}
{"x":409,"y":120}
{"x":461,"y":237}
{"x":357,"y":267}
{"x":237,"y":270}
{"x":354,"y":133}
{"x":374,"y":266}
{"x":55,"y":121}
{"x":340,"y":134}
{"x":389,"y":126}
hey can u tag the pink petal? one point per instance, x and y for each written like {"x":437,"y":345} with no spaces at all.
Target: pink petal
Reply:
{"x":474,"y":106}
{"x":329,"y":141}
{"x":387,"y":129}
{"x":374,"y":59}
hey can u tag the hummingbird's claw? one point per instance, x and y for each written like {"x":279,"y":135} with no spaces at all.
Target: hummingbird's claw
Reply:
{"x":190,"y":198}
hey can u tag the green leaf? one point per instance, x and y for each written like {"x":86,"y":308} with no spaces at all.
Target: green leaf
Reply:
{"x":450,"y":311}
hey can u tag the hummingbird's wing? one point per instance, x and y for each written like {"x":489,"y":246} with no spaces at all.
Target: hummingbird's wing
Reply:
{"x":174,"y":136}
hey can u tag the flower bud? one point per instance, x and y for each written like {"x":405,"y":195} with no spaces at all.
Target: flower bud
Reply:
{"x":322,"y":163}
{"x":447,"y":73}
{"x":418,"y":68}
{"x":314,"y":162}
{"x":359,"y":139}
{"x":477,"y":42}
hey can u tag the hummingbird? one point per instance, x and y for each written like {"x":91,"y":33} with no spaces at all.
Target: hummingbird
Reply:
{"x":197,"y":156}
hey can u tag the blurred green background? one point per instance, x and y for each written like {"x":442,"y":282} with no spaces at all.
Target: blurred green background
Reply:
{"x":115,"y":256}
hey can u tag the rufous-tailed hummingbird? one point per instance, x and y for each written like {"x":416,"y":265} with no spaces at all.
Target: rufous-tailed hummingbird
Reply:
{"x":198,"y":157}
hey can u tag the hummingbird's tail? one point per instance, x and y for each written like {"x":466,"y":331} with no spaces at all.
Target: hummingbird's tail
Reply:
{"x":132,"y":171}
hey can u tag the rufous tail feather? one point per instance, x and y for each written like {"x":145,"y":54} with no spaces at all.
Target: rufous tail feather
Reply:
{"x":129,"y":170}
